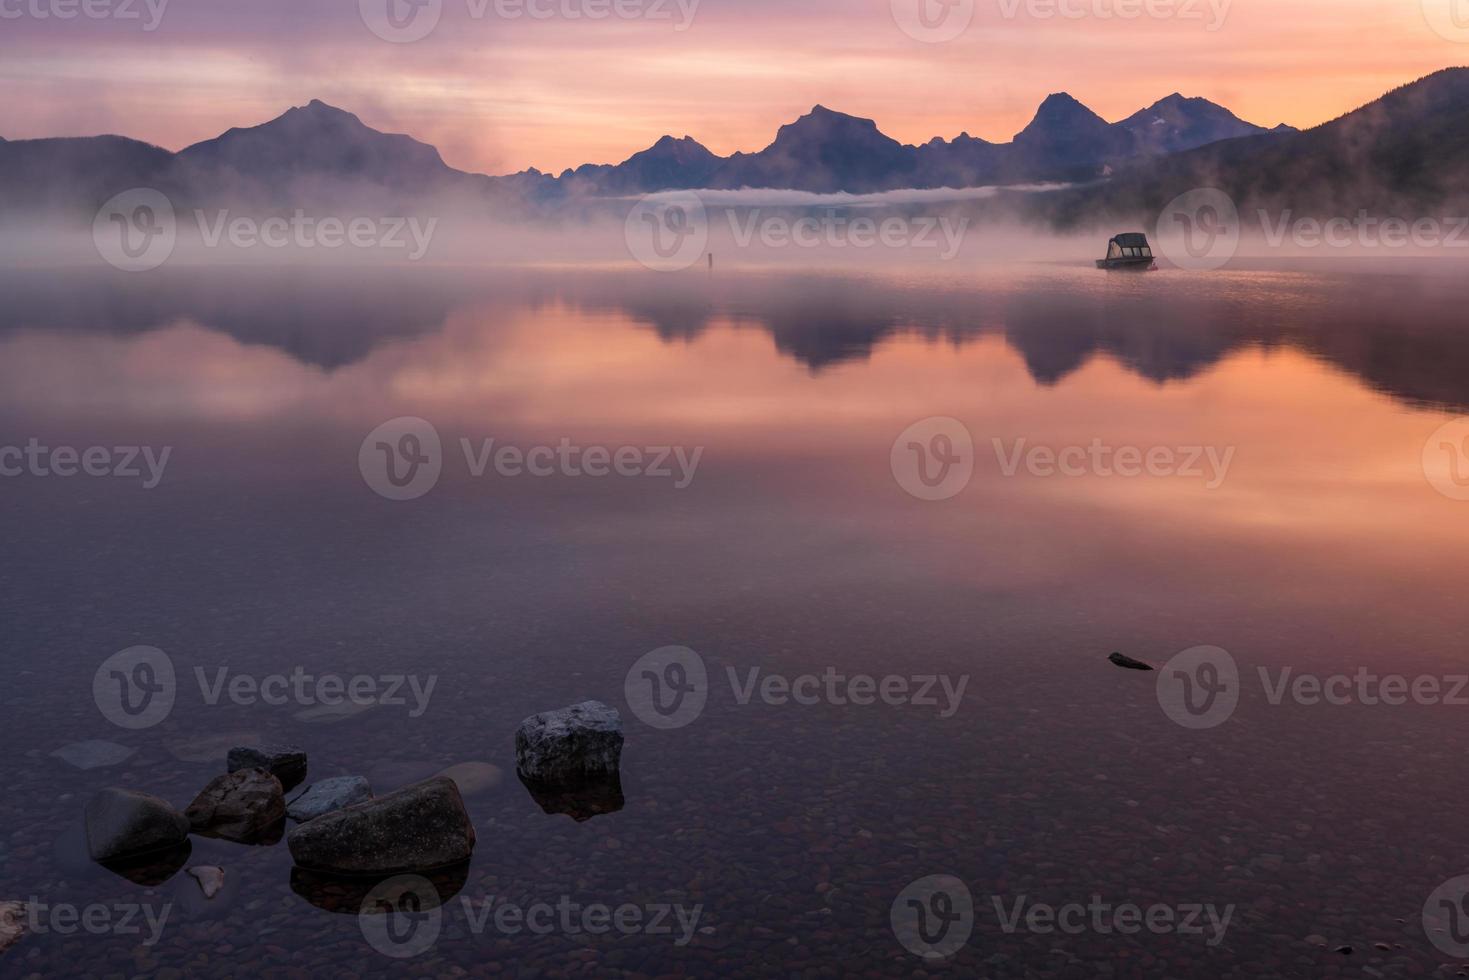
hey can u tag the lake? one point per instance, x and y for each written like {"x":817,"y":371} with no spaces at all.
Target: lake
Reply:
{"x":892,"y":522}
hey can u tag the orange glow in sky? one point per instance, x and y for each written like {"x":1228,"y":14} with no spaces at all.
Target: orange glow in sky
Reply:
{"x":499,"y":92}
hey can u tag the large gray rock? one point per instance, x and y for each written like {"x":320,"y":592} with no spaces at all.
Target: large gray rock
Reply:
{"x":284,"y":762}
{"x":579,"y":743}
{"x":248,"y":806}
{"x":418,"y":828}
{"x":123,"y":824}
{"x":328,"y":795}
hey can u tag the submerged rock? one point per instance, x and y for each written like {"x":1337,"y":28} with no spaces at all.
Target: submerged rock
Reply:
{"x":93,"y":754}
{"x":572,"y":745}
{"x":211,"y":749}
{"x":12,"y":924}
{"x":474,"y":778}
{"x":326,"y":714}
{"x":1127,"y":663}
{"x":210,"y":878}
{"x":123,"y":824}
{"x":328,"y":795}
{"x":286,"y":763}
{"x":398,"y":774}
{"x":418,"y":828}
{"x":247,"y":807}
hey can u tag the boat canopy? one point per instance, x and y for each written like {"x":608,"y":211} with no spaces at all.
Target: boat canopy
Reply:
{"x":1133,"y":245}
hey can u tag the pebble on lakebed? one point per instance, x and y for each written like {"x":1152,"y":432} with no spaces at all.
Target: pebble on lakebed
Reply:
{"x":209,"y":877}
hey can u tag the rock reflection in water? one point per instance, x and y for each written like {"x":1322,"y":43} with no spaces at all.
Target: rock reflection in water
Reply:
{"x":151,"y":870}
{"x":581,"y":801}
{"x":375,"y":895}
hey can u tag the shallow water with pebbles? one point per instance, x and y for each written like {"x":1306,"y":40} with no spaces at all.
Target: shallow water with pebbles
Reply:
{"x":792,"y":827}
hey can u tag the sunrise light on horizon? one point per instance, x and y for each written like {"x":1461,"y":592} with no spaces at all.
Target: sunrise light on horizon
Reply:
{"x":499,"y":91}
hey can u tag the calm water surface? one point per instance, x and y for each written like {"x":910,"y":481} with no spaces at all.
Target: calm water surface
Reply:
{"x":1323,"y":548}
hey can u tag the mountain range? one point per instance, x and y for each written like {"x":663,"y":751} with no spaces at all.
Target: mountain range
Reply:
{"x":828,"y":151}
{"x":1413,"y":143}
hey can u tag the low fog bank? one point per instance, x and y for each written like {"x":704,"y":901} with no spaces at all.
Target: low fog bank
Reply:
{"x":942,"y":231}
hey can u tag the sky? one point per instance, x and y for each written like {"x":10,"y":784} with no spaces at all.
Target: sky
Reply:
{"x":502,"y":85}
